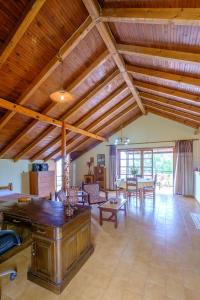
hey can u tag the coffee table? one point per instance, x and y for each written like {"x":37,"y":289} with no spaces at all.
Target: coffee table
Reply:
{"x":113,"y":208}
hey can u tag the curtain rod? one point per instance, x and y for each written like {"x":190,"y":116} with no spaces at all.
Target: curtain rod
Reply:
{"x":153,"y":142}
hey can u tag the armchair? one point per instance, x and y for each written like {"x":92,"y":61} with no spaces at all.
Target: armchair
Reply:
{"x":8,"y":240}
{"x":93,"y":191}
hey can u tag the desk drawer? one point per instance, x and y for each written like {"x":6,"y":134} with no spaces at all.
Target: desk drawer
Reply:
{"x":44,"y":231}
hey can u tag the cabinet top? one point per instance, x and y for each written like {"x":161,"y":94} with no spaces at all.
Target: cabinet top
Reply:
{"x":41,"y":212}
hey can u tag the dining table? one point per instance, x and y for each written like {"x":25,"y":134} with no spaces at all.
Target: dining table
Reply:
{"x":142,"y":182}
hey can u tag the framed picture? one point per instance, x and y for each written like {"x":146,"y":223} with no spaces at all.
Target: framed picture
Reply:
{"x":100,"y":159}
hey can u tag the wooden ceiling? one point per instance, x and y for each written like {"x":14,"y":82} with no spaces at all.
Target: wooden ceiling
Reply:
{"x":121,"y":59}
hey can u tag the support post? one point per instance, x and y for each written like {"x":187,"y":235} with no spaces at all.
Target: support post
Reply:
{"x":65,"y":168}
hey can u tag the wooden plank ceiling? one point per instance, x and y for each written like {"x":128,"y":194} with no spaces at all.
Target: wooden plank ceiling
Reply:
{"x":121,"y":59}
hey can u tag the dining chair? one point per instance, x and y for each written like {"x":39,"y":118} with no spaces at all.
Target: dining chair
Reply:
{"x":150,"y":191}
{"x":132,"y":187}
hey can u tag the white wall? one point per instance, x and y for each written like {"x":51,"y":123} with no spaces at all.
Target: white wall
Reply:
{"x":17,"y":173}
{"x":149,"y":128}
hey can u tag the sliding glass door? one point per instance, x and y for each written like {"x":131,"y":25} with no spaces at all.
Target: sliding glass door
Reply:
{"x":147,"y":163}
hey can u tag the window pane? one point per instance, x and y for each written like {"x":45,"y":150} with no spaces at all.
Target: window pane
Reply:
{"x":123,"y":155}
{"x":123,"y":162}
{"x":122,"y":170}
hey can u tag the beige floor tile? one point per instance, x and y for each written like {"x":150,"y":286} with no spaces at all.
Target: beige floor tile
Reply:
{"x":154,"y":292}
{"x":175,"y":289}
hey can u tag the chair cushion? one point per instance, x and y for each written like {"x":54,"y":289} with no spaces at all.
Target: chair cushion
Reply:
{"x":92,"y":190}
{"x":7,"y":241}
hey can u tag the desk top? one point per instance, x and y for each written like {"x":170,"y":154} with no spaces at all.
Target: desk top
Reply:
{"x":43,"y":212}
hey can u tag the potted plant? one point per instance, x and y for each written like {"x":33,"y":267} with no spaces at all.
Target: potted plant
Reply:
{"x":134,"y":171}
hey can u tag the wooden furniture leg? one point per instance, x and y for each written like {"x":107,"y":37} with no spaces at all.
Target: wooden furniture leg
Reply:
{"x":100,"y":217}
{"x":116,"y":221}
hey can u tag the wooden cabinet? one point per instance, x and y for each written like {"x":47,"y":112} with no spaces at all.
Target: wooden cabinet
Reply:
{"x":42,"y":183}
{"x":100,"y":176}
{"x":58,"y":253}
{"x":88,"y":179}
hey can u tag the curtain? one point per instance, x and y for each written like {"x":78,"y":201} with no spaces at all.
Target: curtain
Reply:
{"x":184,"y":168}
{"x":112,"y":166}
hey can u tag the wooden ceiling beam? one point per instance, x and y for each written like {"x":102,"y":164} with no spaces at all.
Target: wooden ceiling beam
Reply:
{"x":75,"y":84}
{"x":96,"y":122}
{"x":180,"y":115}
{"x":43,"y":118}
{"x":129,"y":121}
{"x":167,"y":92}
{"x":95,"y":109}
{"x":194,"y":111}
{"x":166,"y":115}
{"x":106,"y":34}
{"x":68,"y":113}
{"x":178,"y":16}
{"x":64,"y":51}
{"x":178,"y":79}
{"x":177,"y":56}
{"x":25,"y":22}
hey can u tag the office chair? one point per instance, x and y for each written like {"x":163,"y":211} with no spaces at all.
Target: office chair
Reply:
{"x":8,"y":240}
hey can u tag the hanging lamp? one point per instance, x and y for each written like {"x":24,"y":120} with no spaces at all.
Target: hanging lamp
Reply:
{"x":61,"y":95}
{"x":121,"y":140}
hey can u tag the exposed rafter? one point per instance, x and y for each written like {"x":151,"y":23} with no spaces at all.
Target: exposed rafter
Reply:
{"x":194,"y":111}
{"x":43,"y":118}
{"x":74,"y":142}
{"x":179,"y":16}
{"x":75,"y":84}
{"x":186,"y":118}
{"x":103,"y":29}
{"x":167,"y":115}
{"x":178,"y":79}
{"x":95,"y":109}
{"x":64,"y":51}
{"x":68,"y":113}
{"x":180,"y":56}
{"x":167,"y":92}
{"x":132,"y":119}
{"x":20,"y":30}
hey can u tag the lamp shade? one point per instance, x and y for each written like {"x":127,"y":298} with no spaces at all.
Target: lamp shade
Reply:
{"x":61,"y":96}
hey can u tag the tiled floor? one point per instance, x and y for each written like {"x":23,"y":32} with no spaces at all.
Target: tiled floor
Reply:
{"x":154,"y":254}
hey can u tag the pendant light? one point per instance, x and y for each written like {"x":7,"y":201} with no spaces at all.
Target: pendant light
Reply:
{"x":122,"y":140}
{"x":61,"y":95}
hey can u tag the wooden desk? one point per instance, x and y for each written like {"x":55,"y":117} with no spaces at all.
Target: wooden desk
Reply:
{"x":60,"y":244}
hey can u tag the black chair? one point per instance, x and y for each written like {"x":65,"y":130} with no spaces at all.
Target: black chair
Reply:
{"x":8,"y":240}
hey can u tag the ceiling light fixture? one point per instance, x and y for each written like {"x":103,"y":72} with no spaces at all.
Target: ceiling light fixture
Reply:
{"x":122,"y":140}
{"x":61,"y":95}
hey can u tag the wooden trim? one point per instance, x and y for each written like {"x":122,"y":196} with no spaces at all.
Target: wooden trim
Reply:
{"x":194,"y":111}
{"x":115,"y":94}
{"x":64,"y":51}
{"x":68,"y":113}
{"x":163,"y":112}
{"x":180,"y":56}
{"x":179,"y":79}
{"x":166,"y":92}
{"x":178,"y":16}
{"x":100,"y":60}
{"x":20,"y":30}
{"x":106,"y":34}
